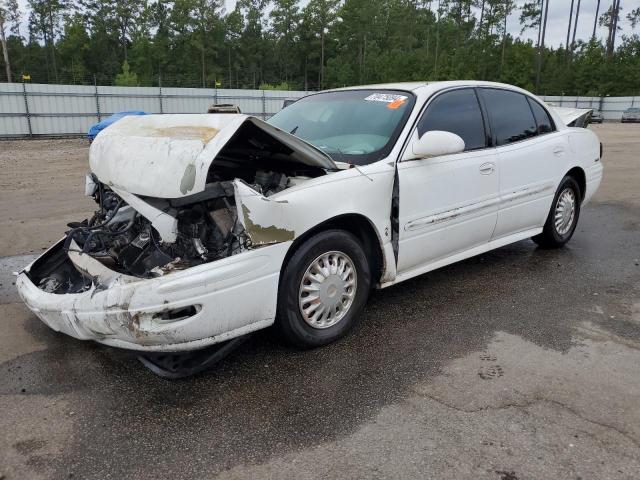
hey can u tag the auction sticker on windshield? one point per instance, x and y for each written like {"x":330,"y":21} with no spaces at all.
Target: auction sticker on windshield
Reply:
{"x":386,"y":98}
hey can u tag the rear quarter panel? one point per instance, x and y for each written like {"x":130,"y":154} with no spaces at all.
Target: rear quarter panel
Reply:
{"x":585,"y":148}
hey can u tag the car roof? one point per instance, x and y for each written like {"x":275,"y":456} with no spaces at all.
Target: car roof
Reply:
{"x":427,"y":86}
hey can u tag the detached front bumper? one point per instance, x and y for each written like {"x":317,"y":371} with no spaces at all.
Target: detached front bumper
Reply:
{"x":179,"y":311}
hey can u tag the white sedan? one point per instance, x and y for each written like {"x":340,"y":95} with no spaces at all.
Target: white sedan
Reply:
{"x":209,"y":227}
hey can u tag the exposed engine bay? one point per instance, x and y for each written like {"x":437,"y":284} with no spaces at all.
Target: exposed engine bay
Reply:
{"x":153,"y":218}
{"x":208,"y":229}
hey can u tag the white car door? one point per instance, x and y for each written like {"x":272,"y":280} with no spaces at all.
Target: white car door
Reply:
{"x":531,"y":159}
{"x":447,"y":204}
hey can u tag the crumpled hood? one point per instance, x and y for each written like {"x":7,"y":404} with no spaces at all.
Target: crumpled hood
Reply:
{"x":168,"y":156}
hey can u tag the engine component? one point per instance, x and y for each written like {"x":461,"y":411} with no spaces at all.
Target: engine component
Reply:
{"x":208,"y":230}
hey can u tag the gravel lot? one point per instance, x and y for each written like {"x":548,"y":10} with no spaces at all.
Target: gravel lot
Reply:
{"x":517,"y":364}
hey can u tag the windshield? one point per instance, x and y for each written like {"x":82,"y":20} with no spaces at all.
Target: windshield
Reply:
{"x":354,"y":126}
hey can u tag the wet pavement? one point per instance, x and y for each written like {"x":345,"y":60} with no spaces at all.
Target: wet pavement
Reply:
{"x":496,"y":364}
{"x":518,"y":364}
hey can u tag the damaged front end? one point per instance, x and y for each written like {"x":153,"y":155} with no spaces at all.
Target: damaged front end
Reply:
{"x":158,"y":270}
{"x":200,"y":230}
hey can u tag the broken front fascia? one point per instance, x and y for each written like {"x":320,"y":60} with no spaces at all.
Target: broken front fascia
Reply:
{"x":264,"y":220}
{"x":186,"y":310}
{"x":180,"y":309}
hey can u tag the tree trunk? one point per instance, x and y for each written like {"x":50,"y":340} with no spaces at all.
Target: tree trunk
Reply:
{"x":504,"y":41}
{"x":52,"y":44}
{"x":566,"y":45}
{"x":435,"y":63}
{"x":5,"y":51}
{"x":545,"y":8}
{"x":541,"y":3}
{"x":614,"y":20}
{"x":575,"y":27}
{"x":229,"y":66}
{"x":595,"y":22}
{"x":306,"y":83}
{"x":321,"y":58}
{"x":202,"y":64}
{"x":124,"y":44}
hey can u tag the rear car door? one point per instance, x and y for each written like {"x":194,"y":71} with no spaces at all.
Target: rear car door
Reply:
{"x":531,"y":156}
{"x":448,"y":204}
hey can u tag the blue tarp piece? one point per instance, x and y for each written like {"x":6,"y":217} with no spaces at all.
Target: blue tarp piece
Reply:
{"x":96,"y":128}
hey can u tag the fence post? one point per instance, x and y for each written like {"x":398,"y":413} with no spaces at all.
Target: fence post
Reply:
{"x":264,"y":105}
{"x":26,"y":107}
{"x":95,"y":88}
{"x":160,"y":93}
{"x":601,"y":105}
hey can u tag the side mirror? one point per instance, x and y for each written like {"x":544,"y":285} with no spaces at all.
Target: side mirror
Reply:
{"x":436,"y":143}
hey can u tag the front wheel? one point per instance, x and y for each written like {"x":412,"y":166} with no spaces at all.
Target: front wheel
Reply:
{"x":323,"y":289}
{"x":563,"y":216}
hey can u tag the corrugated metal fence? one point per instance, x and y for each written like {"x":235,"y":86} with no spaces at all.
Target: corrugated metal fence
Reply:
{"x":611,"y":107}
{"x":40,"y":109}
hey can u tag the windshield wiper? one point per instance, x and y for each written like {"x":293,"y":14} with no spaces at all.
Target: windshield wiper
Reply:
{"x":295,"y":129}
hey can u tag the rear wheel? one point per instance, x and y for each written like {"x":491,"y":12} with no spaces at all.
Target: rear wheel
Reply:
{"x":563,"y":216}
{"x":323,"y":289}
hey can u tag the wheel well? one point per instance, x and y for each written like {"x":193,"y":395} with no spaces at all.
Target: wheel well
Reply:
{"x":356,"y":224}
{"x":578,"y":174}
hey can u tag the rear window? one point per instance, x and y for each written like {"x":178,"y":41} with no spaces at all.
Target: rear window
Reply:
{"x":543,"y":120}
{"x":510,"y":116}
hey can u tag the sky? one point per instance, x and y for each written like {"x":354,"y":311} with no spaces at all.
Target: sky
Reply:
{"x":558,"y":18}
{"x":556,"y":22}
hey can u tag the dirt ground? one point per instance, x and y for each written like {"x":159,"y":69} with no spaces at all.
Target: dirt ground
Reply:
{"x":519,"y":364}
{"x":41,"y":190}
{"x":42,"y":184}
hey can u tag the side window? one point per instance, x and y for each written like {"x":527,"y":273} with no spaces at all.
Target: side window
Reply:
{"x":510,"y":116}
{"x":545,"y":124}
{"x":457,"y":112}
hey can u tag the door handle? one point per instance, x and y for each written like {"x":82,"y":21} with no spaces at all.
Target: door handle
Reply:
{"x":558,"y":151}
{"x":487,"y":168}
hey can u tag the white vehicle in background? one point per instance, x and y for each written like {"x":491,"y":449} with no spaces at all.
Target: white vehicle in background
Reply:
{"x":213,"y":226}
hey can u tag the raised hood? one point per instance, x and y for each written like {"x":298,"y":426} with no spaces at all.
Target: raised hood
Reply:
{"x":169,"y":156}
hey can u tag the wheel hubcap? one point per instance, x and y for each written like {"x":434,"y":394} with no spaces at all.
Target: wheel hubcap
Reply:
{"x":327,"y":289}
{"x":565,"y":211}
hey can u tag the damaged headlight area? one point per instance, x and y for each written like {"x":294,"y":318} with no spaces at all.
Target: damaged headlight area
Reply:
{"x":125,"y":241}
{"x":207,"y":228}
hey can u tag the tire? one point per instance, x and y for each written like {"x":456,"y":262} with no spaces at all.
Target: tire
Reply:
{"x":335,"y":250}
{"x":556,"y":233}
